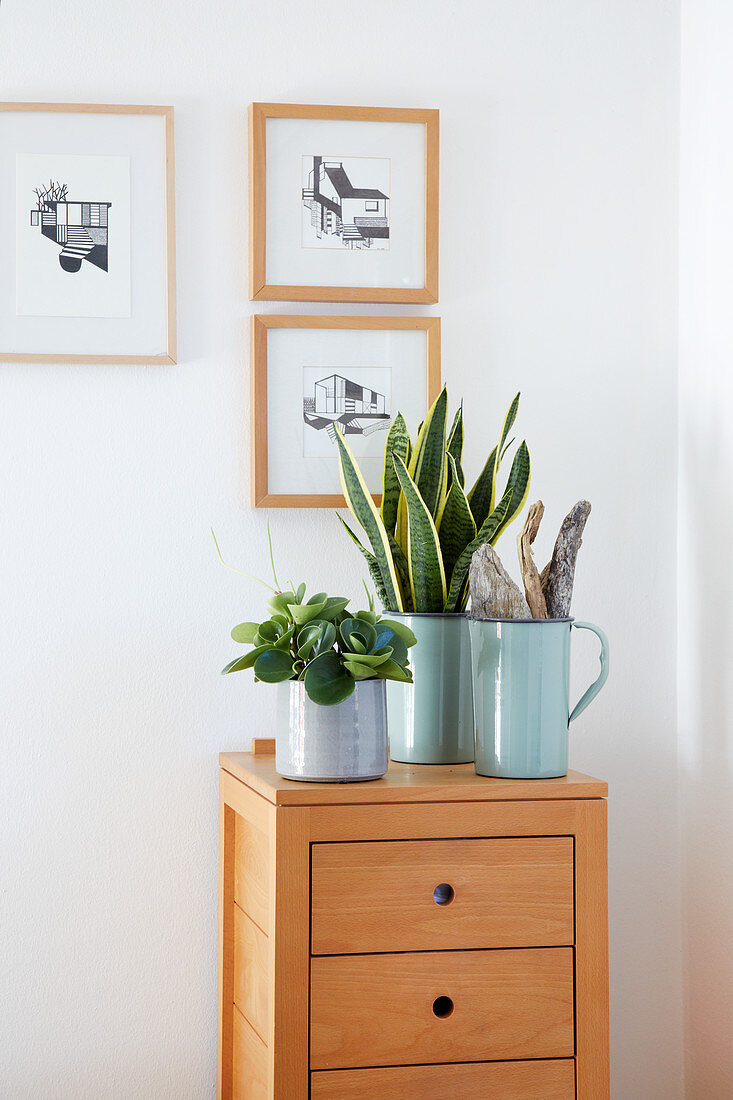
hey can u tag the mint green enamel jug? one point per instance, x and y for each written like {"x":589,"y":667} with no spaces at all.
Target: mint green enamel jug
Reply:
{"x":521,"y":694}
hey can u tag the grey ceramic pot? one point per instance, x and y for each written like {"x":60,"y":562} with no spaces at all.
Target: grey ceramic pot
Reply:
{"x":431,"y":720}
{"x":338,"y":744}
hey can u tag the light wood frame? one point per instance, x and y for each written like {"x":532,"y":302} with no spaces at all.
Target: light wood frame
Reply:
{"x":169,"y":356}
{"x":259,"y":287}
{"x":261,"y":495}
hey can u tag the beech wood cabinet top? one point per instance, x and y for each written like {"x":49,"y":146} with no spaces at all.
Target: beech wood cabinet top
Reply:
{"x":427,"y":933}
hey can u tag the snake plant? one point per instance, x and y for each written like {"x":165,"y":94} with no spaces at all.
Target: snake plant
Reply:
{"x":424,"y":534}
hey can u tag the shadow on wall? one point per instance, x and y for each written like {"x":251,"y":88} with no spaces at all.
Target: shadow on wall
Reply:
{"x":706,"y":748}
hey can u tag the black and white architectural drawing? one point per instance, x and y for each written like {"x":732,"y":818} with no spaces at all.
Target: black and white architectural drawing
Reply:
{"x":81,"y":228}
{"x":356,"y":409}
{"x":342,"y":214}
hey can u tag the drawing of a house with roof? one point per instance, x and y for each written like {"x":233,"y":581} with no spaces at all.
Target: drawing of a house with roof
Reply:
{"x":81,"y":228}
{"x":343,"y":215}
{"x":356,"y":409}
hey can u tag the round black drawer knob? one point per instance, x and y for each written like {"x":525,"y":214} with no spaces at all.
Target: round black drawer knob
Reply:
{"x":442,"y":1007}
{"x":443,"y":894}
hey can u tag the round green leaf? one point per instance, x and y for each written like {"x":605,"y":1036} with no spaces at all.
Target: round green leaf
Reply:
{"x":326,"y":680}
{"x":360,"y":671}
{"x":399,"y":628}
{"x":364,"y":632}
{"x":367,"y":617}
{"x":284,"y":640}
{"x":246,"y":661}
{"x":315,"y":637}
{"x":303,"y":613}
{"x":390,"y":670}
{"x":274,"y":666}
{"x":319,"y":597}
{"x":300,"y":593}
{"x":280,"y":601}
{"x":334,"y":606}
{"x":245,"y":633}
{"x":371,"y":660}
{"x":387,"y":637}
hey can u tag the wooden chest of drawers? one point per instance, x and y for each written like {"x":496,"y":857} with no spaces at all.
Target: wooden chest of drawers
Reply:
{"x":430,"y":933}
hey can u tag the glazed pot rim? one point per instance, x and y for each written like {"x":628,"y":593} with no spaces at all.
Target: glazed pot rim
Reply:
{"x":426,"y":614}
{"x":535,"y":622}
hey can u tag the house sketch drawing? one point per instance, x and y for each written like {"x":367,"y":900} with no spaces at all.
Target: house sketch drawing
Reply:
{"x":356,"y":409}
{"x":81,"y":228}
{"x":341,"y":214}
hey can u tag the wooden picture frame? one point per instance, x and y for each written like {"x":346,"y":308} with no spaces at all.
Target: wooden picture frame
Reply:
{"x":262,"y":495}
{"x":265,"y":287}
{"x":165,"y":351}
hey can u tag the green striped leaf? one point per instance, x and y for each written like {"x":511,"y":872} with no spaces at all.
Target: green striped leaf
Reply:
{"x":398,"y":442}
{"x":372,"y":564}
{"x":517,"y":488}
{"x":508,"y":507}
{"x":364,"y":511}
{"x":427,"y":578}
{"x":482,"y":495}
{"x":455,"y":443}
{"x":457,"y":527}
{"x":428,"y":466}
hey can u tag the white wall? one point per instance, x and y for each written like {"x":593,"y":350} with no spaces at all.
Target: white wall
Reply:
{"x":706,"y":534}
{"x":559,"y":125}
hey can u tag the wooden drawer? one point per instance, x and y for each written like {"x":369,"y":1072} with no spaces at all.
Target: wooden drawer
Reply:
{"x":379,"y":896}
{"x":446,"y":1006}
{"x":534,"y":1080}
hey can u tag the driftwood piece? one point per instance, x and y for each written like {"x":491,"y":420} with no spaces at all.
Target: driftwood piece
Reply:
{"x":494,"y":595}
{"x":530,"y":573}
{"x":559,"y":574}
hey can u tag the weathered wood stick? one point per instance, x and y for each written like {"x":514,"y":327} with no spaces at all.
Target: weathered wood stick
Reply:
{"x":494,"y":595}
{"x":558,"y":576}
{"x":530,"y":573}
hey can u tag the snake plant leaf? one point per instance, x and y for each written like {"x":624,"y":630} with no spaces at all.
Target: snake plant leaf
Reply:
{"x":356,"y":630}
{"x":240,"y":663}
{"x":508,"y":507}
{"x":374,"y":570}
{"x":364,"y":511}
{"x":481,"y":496}
{"x":457,"y":527}
{"x":245,"y":632}
{"x":427,"y":577}
{"x":326,"y":680}
{"x":399,"y":628}
{"x":274,"y":666}
{"x":398,"y":442}
{"x":428,"y":467}
{"x":403,"y":569}
{"x":390,"y":670}
{"x":455,"y":443}
{"x":302,"y":613}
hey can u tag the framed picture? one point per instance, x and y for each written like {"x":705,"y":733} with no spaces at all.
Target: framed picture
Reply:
{"x":343,"y":203}
{"x":87,"y":220}
{"x":312,"y":373}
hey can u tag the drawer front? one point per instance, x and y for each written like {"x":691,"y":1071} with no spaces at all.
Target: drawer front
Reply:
{"x":534,"y":1080}
{"x":447,"y":1006}
{"x":424,"y":895}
